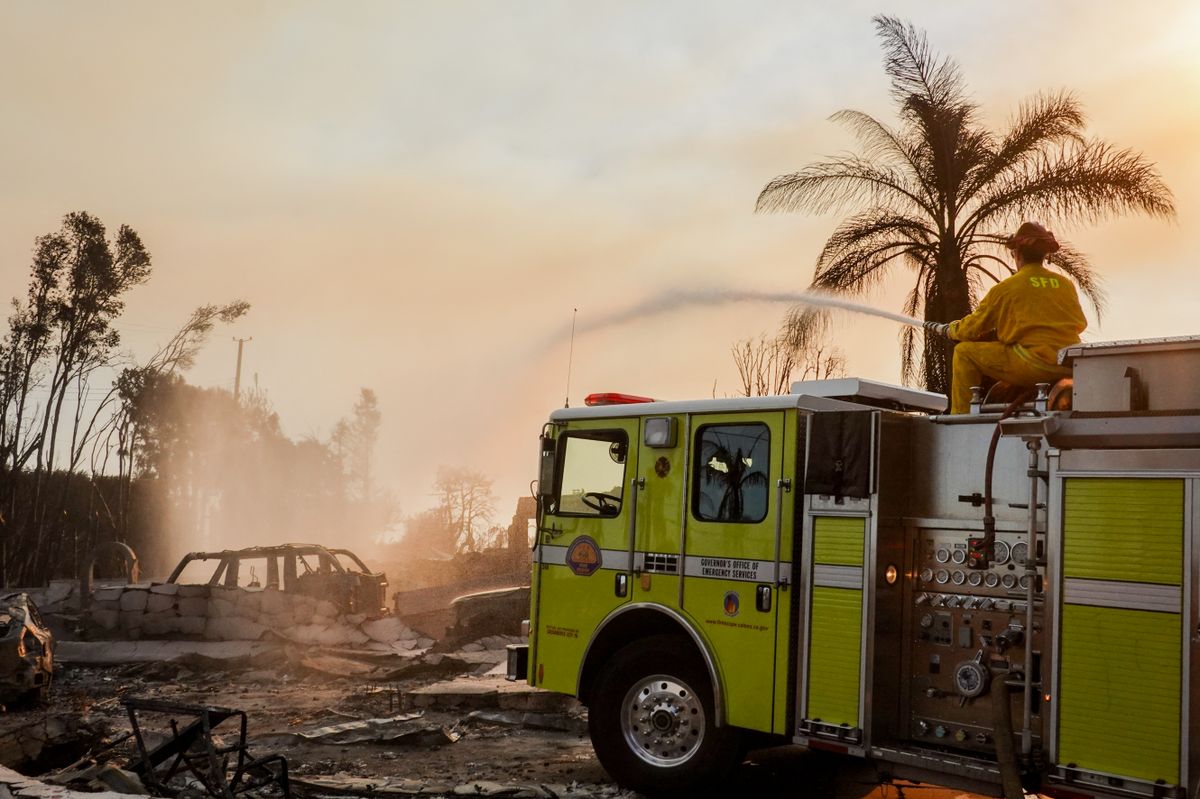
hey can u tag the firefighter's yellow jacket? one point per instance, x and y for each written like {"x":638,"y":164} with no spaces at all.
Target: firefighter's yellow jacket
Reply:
{"x":1035,"y":310}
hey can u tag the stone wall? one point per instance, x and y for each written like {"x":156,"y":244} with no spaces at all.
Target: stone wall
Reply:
{"x":216,"y":613}
{"x":61,"y":596}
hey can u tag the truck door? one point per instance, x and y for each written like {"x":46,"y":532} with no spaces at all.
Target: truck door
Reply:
{"x":737,"y":540}
{"x":582,"y":562}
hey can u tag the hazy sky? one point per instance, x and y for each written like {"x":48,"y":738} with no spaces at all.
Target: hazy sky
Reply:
{"x":413,"y":196}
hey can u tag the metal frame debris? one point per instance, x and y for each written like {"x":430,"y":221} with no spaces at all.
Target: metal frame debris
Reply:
{"x":194,"y":749}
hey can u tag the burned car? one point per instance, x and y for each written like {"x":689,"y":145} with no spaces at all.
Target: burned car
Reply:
{"x":26,"y":650}
{"x":496,"y":612}
{"x":336,"y":575}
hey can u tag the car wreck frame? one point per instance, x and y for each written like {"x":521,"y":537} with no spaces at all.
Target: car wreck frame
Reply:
{"x":307,"y":569}
{"x":26,"y":650}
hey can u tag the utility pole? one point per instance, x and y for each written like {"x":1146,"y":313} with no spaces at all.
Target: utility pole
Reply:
{"x":237,"y":378}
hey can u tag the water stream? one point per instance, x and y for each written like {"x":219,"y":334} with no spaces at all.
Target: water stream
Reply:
{"x":671,"y":301}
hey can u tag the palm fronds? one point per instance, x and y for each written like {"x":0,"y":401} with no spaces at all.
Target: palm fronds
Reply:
{"x":935,"y":189}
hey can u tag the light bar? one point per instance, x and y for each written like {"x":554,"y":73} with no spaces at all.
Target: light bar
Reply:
{"x":613,"y":398}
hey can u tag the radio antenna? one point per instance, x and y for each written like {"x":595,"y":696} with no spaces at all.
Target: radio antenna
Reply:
{"x":570,"y":357}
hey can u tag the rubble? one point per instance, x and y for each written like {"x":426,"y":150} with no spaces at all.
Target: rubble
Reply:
{"x":476,"y":692}
{"x":404,"y":730}
{"x":216,"y":613}
{"x":398,"y":787}
{"x":13,"y":784}
{"x":360,"y":704}
{"x":26,"y":650}
{"x":193,"y":749}
{"x":43,"y":736}
{"x":508,"y":743}
{"x":563,"y":722}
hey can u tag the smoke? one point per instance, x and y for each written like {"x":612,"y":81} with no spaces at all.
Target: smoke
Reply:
{"x":669,"y":302}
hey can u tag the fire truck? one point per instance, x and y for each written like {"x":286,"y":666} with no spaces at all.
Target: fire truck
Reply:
{"x":977,"y":599}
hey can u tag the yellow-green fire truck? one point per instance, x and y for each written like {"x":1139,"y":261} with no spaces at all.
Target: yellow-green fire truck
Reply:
{"x":1010,"y":593}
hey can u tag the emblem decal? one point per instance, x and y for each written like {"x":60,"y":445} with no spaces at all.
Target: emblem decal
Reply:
{"x":733,"y":603}
{"x":583,"y":556}
{"x":662,"y":467}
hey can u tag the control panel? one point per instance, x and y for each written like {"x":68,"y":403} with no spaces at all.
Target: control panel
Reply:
{"x":965,"y":625}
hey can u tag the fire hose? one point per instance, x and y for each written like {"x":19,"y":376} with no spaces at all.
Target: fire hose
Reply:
{"x":1006,"y":755}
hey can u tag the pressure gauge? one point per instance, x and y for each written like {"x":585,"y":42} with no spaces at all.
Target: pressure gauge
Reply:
{"x":942,"y":555}
{"x":958,"y":577}
{"x":926,"y":575}
{"x":927,"y":620}
{"x":975,"y":578}
{"x":991,"y":579}
{"x":1009,"y":581}
{"x":1001,"y":550}
{"x":1024,"y":583}
{"x":942,"y":576}
{"x":1019,"y":551}
{"x":970,"y":679}
{"x":958,"y":556}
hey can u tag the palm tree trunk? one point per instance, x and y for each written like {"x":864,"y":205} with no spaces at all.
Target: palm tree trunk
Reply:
{"x":950,"y":300}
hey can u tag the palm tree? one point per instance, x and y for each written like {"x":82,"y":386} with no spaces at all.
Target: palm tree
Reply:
{"x":936,"y":193}
{"x":732,"y":471}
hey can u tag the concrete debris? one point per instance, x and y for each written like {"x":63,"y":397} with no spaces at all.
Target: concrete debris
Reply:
{"x":61,"y":596}
{"x":387,"y":630}
{"x":216,"y":613}
{"x":120,"y":780}
{"x":120,"y":653}
{"x":531,"y":721}
{"x":332,"y":664}
{"x":475,"y":693}
{"x":339,"y":785}
{"x":404,"y":730}
{"x":46,"y":736}
{"x":18,"y":786}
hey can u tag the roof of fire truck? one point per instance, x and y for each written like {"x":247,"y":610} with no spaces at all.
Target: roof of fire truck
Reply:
{"x":846,"y":394}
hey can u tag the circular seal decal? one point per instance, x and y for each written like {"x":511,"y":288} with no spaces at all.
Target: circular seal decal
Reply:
{"x":733,"y":603}
{"x":662,"y":466}
{"x":583,"y":556}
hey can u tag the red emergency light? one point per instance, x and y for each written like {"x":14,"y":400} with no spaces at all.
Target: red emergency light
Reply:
{"x":613,"y":398}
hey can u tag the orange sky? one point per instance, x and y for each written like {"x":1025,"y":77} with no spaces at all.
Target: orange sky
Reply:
{"x":413,"y":196}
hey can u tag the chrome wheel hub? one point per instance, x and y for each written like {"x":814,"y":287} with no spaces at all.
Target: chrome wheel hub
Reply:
{"x":662,"y":720}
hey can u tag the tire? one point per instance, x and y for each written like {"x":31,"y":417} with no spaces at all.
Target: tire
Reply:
{"x":652,"y":721}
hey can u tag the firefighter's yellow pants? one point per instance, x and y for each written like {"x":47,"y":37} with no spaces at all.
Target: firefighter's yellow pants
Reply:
{"x":974,"y":360}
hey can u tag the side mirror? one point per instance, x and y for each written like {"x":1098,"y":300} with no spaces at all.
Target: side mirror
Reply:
{"x":546,"y":468}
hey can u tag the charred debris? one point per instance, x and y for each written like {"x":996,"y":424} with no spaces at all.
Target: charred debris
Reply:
{"x":267,"y":671}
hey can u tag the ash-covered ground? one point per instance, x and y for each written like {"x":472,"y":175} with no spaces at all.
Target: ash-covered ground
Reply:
{"x":427,"y":724}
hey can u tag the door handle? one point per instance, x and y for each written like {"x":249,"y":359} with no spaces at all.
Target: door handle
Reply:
{"x":762,"y":598}
{"x":634,"y":485}
{"x":782,"y":485}
{"x":621,"y":584}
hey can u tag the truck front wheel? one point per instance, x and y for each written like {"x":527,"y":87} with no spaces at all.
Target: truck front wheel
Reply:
{"x":652,"y":720}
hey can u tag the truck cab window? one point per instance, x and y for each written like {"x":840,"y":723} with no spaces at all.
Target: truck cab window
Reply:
{"x":593,"y":473}
{"x":729,"y":475}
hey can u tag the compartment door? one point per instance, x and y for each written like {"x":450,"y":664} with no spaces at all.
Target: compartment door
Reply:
{"x":1121,"y":640}
{"x":832,"y":702}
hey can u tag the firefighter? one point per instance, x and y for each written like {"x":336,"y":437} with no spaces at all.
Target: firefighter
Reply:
{"x":1020,"y":325}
